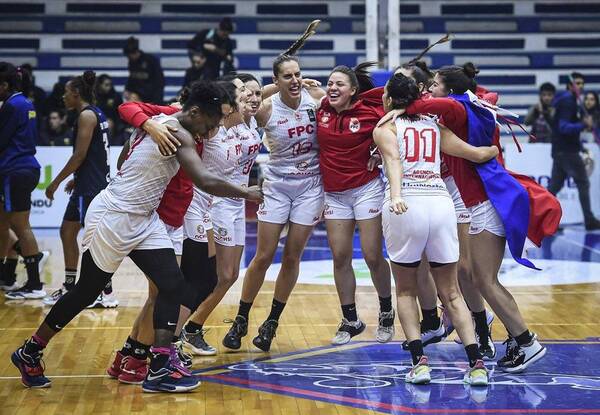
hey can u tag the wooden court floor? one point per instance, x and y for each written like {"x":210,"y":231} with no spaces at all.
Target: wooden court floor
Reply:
{"x":76,"y":361}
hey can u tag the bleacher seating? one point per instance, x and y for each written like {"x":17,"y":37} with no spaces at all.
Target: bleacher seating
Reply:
{"x":517,"y":44}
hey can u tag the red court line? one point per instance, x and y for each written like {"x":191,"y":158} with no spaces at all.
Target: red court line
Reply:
{"x":388,"y":406}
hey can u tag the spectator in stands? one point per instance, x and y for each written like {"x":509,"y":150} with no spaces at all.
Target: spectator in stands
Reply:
{"x":108,"y":100}
{"x":36,"y":95}
{"x":541,"y":114}
{"x":145,"y":73}
{"x":591,"y":108}
{"x":197,"y":71}
{"x":217,"y":46}
{"x":566,"y":145}
{"x":55,"y":131}
{"x":55,"y":101}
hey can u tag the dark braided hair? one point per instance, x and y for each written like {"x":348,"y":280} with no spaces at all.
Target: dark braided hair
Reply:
{"x":207,"y":96}
{"x":17,"y":78}
{"x":86,"y":86}
{"x":359,"y":76}
{"x":402,"y":90}
{"x":459,"y":79}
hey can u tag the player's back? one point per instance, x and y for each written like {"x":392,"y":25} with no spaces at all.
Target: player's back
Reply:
{"x":140,"y":183}
{"x":419,"y":145}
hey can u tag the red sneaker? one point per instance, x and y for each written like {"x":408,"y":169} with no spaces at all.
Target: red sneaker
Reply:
{"x":133,"y":371}
{"x":115,"y":369}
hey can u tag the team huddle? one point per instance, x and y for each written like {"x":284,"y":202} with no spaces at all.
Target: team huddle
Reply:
{"x":176,"y":207}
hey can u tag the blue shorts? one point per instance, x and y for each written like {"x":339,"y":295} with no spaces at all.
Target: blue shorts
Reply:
{"x":77,"y":208}
{"x":16,"y":188}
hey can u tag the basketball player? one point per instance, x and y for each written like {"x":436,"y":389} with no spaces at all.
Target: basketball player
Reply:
{"x":419,"y":218}
{"x":19,"y":175}
{"x":434,"y":329}
{"x":487,"y":230}
{"x":122,"y":221}
{"x":293,"y":192}
{"x":231,"y":156}
{"x":353,"y":192}
{"x":91,"y":169}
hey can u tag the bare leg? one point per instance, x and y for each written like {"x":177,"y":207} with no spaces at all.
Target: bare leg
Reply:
{"x":469,"y":289}
{"x":68,"y":236}
{"x":371,"y":245}
{"x":487,"y":251}
{"x":340,"y":233}
{"x":406,"y":295}
{"x":267,"y":241}
{"x":228,"y":269}
{"x":447,"y":287}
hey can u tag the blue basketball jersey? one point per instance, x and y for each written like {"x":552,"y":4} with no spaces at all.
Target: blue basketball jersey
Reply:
{"x":94,"y":173}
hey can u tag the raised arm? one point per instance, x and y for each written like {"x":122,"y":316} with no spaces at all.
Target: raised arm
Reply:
{"x":85,"y":131}
{"x":210,"y":183}
{"x":385,"y":138}
{"x":454,"y":146}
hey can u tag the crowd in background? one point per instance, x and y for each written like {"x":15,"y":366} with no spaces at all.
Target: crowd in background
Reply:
{"x":211,"y":55}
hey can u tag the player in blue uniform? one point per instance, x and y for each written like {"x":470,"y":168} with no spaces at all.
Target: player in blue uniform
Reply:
{"x":91,"y":173}
{"x":19,"y":175}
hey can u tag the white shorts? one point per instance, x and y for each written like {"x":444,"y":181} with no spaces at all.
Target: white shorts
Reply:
{"x":485,"y":218}
{"x":427,"y":226}
{"x":111,"y":236}
{"x":295,"y":199}
{"x":229,"y":221}
{"x":176,"y":235}
{"x":462,"y":213}
{"x":361,"y":203}
{"x":197,"y":220}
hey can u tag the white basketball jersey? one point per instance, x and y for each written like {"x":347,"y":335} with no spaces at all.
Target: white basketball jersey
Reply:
{"x":419,"y":145}
{"x":140,"y":183}
{"x":248,"y":142}
{"x":291,"y":136}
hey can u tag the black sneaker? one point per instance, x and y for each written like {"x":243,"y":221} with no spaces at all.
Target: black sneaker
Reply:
{"x":524,"y":356}
{"x":347,"y":330}
{"x":487,"y":349}
{"x":266,"y":333}
{"x":511,"y":349}
{"x":429,"y":336}
{"x":196,"y":342}
{"x":593,"y":225}
{"x":239,"y":328}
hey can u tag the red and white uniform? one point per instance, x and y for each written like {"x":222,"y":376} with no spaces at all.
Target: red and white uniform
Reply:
{"x":454,"y":116}
{"x":462,"y":213}
{"x":229,"y":214}
{"x":123,"y":217}
{"x":345,"y":141}
{"x":428,"y":225}
{"x":178,"y":195}
{"x":293,"y":189}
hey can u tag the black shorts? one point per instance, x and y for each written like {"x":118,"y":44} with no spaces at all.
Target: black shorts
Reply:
{"x":76,"y":208}
{"x":16,"y":188}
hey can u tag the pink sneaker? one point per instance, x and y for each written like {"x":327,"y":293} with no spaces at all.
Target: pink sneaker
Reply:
{"x":176,"y":362}
{"x":115,"y":369}
{"x":133,"y":371}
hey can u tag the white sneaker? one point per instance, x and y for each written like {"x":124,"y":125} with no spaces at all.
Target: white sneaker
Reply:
{"x":347,"y":330}
{"x":25,"y":293}
{"x":55,"y":296}
{"x":5,"y":287}
{"x":385,"y":329}
{"x":525,"y":356}
{"x":104,"y":301}
{"x":477,"y":375}
{"x":420,"y":373}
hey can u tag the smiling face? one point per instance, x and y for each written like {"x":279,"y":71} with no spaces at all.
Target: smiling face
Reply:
{"x":289,"y":79}
{"x":241,"y":93}
{"x":438,"y":88}
{"x":339,"y":90}
{"x":254,"y":98}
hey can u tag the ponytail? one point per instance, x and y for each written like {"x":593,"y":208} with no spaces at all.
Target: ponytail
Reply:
{"x":359,"y":76}
{"x":86,"y":86}
{"x":290,"y":53}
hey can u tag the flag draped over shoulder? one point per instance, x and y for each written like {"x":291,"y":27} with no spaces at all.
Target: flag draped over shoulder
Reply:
{"x":526,"y":209}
